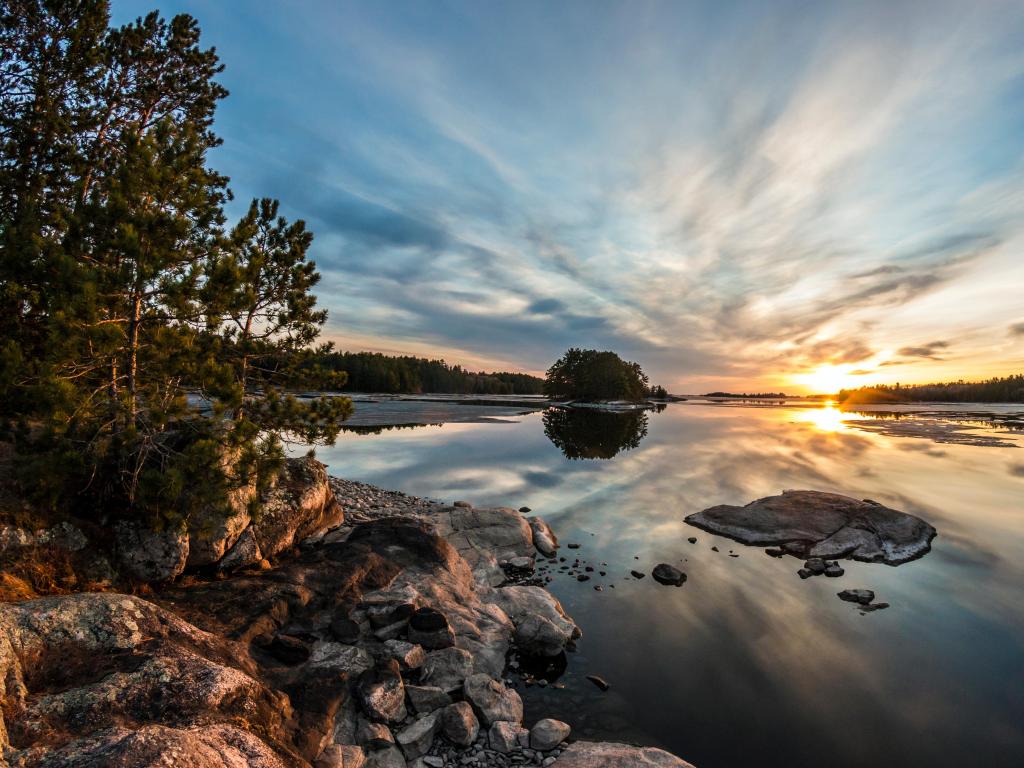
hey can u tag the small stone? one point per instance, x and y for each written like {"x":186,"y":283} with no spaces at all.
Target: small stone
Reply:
{"x":573,"y":546}
{"x":583,"y":577}
{"x":834,"y":570}
{"x":667,"y":574}
{"x":714,"y":549}
{"x":692,"y":539}
{"x":803,"y":573}
{"x":599,"y":682}
{"x":637,"y":574}
{"x":464,"y":504}
{"x":525,"y":510}
{"x":815,"y":565}
{"x":862,"y":596}
{"x":775,"y":552}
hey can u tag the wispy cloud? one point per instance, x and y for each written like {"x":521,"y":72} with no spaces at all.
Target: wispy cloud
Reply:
{"x":721,"y":194}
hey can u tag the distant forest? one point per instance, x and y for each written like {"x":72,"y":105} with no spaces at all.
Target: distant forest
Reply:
{"x":999,"y":390}
{"x":375,"y":372}
{"x":744,"y":396}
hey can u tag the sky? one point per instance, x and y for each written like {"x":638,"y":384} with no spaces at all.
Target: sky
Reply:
{"x":737,"y":195}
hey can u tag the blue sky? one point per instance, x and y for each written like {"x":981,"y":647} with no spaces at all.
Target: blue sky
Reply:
{"x":735,"y":195}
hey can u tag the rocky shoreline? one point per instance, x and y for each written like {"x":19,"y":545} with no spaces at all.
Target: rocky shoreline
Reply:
{"x":362,"y":627}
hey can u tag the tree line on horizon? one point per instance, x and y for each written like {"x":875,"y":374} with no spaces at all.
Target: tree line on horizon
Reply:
{"x":405,"y":374}
{"x":1007,"y":389}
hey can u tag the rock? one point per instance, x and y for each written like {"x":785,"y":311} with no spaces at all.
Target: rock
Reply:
{"x":341,"y":756}
{"x":464,"y":504}
{"x":815,"y":565}
{"x":775,"y":552}
{"x":504,"y":736}
{"x":874,"y":607}
{"x":803,"y":573}
{"x":429,"y":627}
{"x":589,"y":754}
{"x":834,"y":570}
{"x":599,"y":682}
{"x":214,"y":530}
{"x":547,"y":734}
{"x":664,"y":573}
{"x":426,"y":698}
{"x":388,"y":614}
{"x":243,"y":553}
{"x":522,"y":563}
{"x":637,"y":574}
{"x":862,"y":596}
{"x":446,"y":669}
{"x":416,"y":739}
{"x":381,"y":693}
{"x":288,"y":649}
{"x":500,"y":532}
{"x":373,"y":735}
{"x":692,"y":539}
{"x":150,"y":555}
{"x":344,"y":630}
{"x":299,"y":505}
{"x":544,"y":538}
{"x":459,"y":724}
{"x":388,"y":757}
{"x":492,"y":701}
{"x":541,"y":626}
{"x":833,"y":525}
{"x":525,"y":510}
{"x":407,"y":655}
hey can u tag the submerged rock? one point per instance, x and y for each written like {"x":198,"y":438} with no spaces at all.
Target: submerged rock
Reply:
{"x":823,"y":525}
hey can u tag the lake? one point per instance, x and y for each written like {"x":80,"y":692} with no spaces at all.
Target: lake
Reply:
{"x":747,"y":663}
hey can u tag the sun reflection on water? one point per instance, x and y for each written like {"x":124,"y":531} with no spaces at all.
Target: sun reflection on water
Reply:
{"x":828,"y":418}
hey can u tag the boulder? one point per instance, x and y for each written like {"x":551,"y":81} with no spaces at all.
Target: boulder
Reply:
{"x":148,"y":554}
{"x":664,"y":573}
{"x":381,"y":693}
{"x":491,"y":700}
{"x":459,"y":724}
{"x":430,"y":628}
{"x":243,"y":553}
{"x":416,"y":739}
{"x":602,"y":754}
{"x":548,"y":733}
{"x":388,"y":757}
{"x":407,"y":655}
{"x":426,"y":698}
{"x":213,"y":531}
{"x":499,"y":533}
{"x":823,"y":525}
{"x":446,"y":669}
{"x":341,"y":756}
{"x":544,"y":538}
{"x":299,"y":505}
{"x":541,"y":625}
{"x":373,"y":735}
{"x":503,"y":736}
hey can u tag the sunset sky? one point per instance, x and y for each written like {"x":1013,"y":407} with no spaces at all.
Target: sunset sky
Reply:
{"x":756,"y":195}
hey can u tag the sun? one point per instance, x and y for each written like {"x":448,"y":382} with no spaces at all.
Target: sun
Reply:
{"x":828,"y":379}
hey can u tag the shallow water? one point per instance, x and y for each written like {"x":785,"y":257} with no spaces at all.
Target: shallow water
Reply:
{"x":746,"y":663}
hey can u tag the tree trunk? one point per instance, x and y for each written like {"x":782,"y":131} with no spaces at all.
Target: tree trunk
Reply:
{"x":133,"y":354}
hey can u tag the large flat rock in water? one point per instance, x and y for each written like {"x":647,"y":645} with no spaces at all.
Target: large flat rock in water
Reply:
{"x":820,"y":524}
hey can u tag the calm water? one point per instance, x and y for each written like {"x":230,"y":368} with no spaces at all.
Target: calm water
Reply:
{"x":746,"y":663}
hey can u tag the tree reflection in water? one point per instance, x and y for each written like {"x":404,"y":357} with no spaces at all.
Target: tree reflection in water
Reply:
{"x":590,"y":434}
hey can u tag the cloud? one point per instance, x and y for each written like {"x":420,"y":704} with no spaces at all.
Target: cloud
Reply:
{"x":930,"y":351}
{"x":673,"y":185}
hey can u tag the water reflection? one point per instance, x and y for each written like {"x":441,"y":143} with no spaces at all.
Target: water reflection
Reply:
{"x":590,"y":434}
{"x":747,"y":654}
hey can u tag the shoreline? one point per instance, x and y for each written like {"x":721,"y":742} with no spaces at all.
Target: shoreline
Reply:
{"x":405,"y":602}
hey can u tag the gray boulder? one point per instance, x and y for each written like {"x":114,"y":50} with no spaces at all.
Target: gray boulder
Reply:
{"x":459,"y":723}
{"x":504,"y":736}
{"x":148,"y":554}
{"x":823,"y":525}
{"x":544,"y":538}
{"x":548,"y":733}
{"x":446,"y":669}
{"x":425,"y":698}
{"x":492,"y":701}
{"x":541,"y":625}
{"x":416,"y":739}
